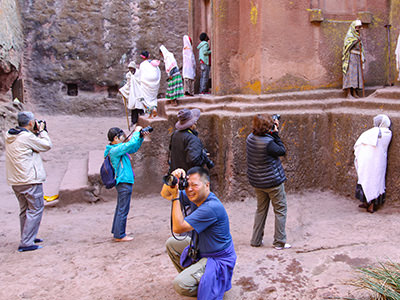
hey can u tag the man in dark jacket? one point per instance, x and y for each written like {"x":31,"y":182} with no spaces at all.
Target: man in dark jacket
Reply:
{"x":187,"y":150}
{"x":266,"y":175}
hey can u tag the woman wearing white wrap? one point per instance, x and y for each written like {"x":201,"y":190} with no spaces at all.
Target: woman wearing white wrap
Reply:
{"x":141,"y":89}
{"x":370,"y":152}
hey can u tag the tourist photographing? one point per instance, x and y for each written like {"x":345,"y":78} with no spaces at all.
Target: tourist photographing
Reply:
{"x":119,"y":150}
{"x":186,"y":149}
{"x":266,"y":175}
{"x":206,"y":259}
{"x":26,"y":174}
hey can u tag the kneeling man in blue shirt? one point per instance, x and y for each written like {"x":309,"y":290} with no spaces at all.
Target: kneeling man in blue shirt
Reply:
{"x":205,"y":258}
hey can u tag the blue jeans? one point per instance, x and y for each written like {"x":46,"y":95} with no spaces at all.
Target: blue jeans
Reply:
{"x":121,"y":211}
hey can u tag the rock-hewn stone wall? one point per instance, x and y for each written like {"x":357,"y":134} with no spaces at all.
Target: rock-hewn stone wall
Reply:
{"x":87,"y":44}
{"x":11,"y":42}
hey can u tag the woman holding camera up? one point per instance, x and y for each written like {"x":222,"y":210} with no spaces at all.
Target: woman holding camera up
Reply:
{"x":266,"y":175}
{"x":119,"y":149}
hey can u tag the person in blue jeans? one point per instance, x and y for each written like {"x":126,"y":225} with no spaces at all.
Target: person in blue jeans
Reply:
{"x":119,"y":150}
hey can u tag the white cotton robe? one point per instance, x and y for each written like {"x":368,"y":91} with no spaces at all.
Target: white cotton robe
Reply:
{"x":142,"y":86}
{"x":370,"y":152}
{"x":189,"y":61}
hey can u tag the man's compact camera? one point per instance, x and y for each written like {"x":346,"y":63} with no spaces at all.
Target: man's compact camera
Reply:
{"x":146,"y":129}
{"x":38,"y":123}
{"x":209,"y":163}
{"x":276,"y":117}
{"x":171,"y":181}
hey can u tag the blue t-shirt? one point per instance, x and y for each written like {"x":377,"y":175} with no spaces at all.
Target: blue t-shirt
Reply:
{"x":211,"y":222}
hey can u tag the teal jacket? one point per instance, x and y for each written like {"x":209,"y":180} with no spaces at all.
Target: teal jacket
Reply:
{"x":120,"y":159}
{"x":204,"y":52}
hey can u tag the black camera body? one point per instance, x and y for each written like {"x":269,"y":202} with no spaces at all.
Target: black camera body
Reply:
{"x":38,"y":123}
{"x":146,"y":129}
{"x":171,"y":181}
{"x":276,"y":117}
{"x":209,"y":163}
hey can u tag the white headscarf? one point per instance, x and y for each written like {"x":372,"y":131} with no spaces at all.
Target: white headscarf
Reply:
{"x":370,"y":137}
{"x":382,"y":121}
{"x":169,"y":59}
{"x":189,"y":61}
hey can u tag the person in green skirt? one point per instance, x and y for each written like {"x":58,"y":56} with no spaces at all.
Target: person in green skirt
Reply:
{"x":175,"y":82}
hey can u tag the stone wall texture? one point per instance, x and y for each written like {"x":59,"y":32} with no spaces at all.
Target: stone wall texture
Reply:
{"x":88,"y":44}
{"x":11,"y":43}
{"x":267,"y":46}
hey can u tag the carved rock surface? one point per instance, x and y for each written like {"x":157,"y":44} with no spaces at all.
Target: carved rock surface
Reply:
{"x":11,"y":42}
{"x":87,"y":45}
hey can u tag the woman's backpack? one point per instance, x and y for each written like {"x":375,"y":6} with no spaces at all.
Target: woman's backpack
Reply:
{"x":107,"y":173}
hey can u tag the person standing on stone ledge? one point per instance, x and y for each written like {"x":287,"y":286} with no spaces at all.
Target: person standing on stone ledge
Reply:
{"x":25,"y":173}
{"x":131,"y":100}
{"x":204,"y":58}
{"x":175,"y":83}
{"x":353,"y":59}
{"x":189,"y":66}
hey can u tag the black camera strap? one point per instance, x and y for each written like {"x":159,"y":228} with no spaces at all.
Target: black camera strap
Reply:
{"x":183,"y":208}
{"x":194,"y":238}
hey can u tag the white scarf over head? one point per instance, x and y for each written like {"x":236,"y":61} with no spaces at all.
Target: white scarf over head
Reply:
{"x":169,"y":59}
{"x":370,"y":152}
{"x":189,"y":61}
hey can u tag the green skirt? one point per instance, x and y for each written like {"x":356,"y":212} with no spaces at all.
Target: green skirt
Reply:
{"x":175,"y":87}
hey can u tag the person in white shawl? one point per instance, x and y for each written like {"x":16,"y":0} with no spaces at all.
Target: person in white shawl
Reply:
{"x":370,"y":152}
{"x":141,"y":88}
{"x":189,"y":66}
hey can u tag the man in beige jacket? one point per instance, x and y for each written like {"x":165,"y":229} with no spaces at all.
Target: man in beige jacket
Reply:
{"x":26,"y":174}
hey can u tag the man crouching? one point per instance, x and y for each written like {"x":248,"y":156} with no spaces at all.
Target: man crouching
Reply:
{"x":205,"y":259}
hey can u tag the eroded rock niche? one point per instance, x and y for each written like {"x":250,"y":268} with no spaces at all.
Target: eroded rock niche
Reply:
{"x":77,"y":51}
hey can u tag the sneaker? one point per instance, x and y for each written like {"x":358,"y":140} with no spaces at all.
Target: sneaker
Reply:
{"x":29,"y":248}
{"x":286,"y":246}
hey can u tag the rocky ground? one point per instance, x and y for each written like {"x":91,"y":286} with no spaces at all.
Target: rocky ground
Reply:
{"x":330,"y":235}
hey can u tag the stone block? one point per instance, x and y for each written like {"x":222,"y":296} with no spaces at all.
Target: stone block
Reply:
{"x":74,"y":186}
{"x":315,"y":15}
{"x":365,"y":17}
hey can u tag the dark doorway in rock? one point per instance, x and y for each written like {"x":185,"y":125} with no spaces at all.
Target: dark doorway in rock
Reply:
{"x":72,"y":89}
{"x":112,"y":91}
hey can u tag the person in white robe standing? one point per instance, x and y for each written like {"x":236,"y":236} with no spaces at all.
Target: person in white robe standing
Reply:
{"x":370,"y":152}
{"x":141,"y":89}
{"x":189,"y":66}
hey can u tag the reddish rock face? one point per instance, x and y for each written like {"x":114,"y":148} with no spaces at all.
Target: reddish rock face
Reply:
{"x":80,"y":48}
{"x":11,"y":42}
{"x":266,"y":46}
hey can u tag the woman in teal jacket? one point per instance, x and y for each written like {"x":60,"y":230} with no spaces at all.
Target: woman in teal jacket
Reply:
{"x":119,"y":151}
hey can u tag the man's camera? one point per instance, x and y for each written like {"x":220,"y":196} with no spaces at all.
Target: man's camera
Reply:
{"x":171,"y":181}
{"x":38,"y":123}
{"x":209,"y":163}
{"x":146,"y":129}
{"x":276,"y":117}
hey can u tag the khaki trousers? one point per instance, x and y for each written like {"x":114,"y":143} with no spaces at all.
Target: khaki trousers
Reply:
{"x":187,"y":281}
{"x":276,"y":196}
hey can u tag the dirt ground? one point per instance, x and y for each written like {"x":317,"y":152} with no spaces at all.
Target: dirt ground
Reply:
{"x":330,"y":236}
